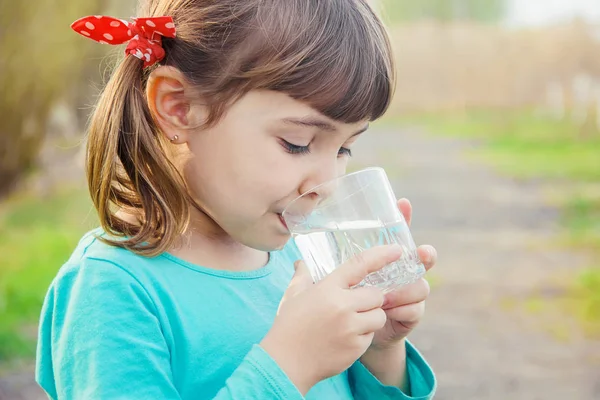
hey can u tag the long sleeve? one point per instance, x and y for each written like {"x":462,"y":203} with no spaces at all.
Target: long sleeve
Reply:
{"x":258,"y":378}
{"x":100,"y":338}
{"x":365,"y":385}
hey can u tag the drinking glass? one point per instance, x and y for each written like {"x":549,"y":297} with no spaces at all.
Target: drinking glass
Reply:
{"x":339,"y":219}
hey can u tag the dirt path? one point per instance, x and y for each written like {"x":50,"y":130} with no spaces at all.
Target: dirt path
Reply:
{"x":20,"y":385}
{"x":491,"y":234}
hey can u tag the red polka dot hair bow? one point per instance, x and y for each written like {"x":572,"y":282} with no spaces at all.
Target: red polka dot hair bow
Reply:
{"x":143,"y":34}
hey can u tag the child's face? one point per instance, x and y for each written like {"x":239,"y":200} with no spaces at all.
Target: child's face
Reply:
{"x":253,"y":162}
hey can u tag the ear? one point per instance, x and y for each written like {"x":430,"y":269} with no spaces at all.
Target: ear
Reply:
{"x":169,"y":97}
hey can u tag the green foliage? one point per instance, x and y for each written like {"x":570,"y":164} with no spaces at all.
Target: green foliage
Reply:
{"x":395,"y":11}
{"x":42,"y":59}
{"x":36,"y":238}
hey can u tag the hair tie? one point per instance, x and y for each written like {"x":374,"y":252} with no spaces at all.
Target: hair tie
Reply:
{"x":143,"y":34}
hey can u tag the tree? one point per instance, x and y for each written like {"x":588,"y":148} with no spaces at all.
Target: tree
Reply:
{"x":41,"y":58}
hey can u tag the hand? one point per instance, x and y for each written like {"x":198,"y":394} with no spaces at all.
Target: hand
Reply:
{"x":321,"y":329}
{"x":405,"y":306}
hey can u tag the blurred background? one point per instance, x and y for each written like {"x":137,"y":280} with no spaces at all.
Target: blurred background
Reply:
{"x":494,"y":135}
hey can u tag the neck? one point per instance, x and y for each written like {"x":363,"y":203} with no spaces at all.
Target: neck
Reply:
{"x":205,"y":243}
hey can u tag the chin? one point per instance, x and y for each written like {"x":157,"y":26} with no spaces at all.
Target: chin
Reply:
{"x":273,"y":242}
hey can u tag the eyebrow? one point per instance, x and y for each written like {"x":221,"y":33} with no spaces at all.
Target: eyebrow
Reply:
{"x":312,"y":122}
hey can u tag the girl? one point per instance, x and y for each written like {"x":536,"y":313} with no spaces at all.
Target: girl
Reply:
{"x":221,"y":114}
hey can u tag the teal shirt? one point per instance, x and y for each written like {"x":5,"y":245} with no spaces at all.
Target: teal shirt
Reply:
{"x":116,"y":325}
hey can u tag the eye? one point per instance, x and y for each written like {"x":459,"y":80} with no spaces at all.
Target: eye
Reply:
{"x":344,"y":151}
{"x":294,"y":149}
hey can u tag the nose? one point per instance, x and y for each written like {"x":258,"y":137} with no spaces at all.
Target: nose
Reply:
{"x":313,"y":191}
{"x":313,"y":186}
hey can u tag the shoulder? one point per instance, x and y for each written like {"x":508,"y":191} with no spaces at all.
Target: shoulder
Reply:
{"x":92,"y":247}
{"x":98,"y":281}
{"x":95,"y":264}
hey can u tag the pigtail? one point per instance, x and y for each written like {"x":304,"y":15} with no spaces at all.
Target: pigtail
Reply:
{"x":128,"y":169}
{"x":333,"y":55}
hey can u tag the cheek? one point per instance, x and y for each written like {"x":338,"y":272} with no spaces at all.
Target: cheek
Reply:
{"x":222,"y":178}
{"x":273,"y":174}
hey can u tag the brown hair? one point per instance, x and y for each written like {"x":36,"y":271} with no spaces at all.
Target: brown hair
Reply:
{"x":334,"y":55}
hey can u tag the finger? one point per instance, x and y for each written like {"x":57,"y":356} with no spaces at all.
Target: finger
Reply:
{"x":408,"y":315}
{"x":366,"y":298}
{"x":406,"y":209}
{"x":370,"y":321}
{"x":428,"y":255}
{"x":414,"y":293}
{"x":354,"y":271}
{"x":301,"y":279}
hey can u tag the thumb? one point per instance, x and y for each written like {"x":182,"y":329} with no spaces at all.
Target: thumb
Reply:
{"x":301,"y":279}
{"x":300,"y":282}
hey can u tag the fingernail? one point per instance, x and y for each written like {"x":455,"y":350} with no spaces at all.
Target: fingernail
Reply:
{"x":431,"y":253}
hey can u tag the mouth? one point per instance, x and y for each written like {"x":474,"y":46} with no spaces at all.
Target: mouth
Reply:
{"x":282,"y":221}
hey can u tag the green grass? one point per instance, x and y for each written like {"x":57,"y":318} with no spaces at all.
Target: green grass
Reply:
{"x":582,"y":218}
{"x":556,"y":161}
{"x":520,"y":144}
{"x":583,"y":300}
{"x":526,"y":145}
{"x":36,"y":238}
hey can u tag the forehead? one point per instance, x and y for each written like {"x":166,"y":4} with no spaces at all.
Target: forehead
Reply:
{"x":279,"y":108}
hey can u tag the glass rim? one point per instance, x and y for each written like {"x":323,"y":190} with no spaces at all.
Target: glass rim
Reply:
{"x":328,"y":182}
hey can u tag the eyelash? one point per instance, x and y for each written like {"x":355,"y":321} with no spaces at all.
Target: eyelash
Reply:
{"x":295,"y":149}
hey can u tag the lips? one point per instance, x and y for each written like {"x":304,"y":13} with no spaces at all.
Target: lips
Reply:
{"x":282,"y":221}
